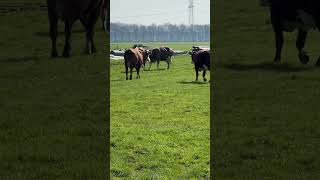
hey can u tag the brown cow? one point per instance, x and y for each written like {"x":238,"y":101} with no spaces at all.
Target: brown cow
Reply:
{"x":87,"y":11}
{"x":201,"y":61}
{"x":161,"y":54}
{"x":133,"y":58}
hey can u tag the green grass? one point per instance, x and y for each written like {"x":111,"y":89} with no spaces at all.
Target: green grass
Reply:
{"x":53,"y":111}
{"x":266,"y":116}
{"x":159,"y":123}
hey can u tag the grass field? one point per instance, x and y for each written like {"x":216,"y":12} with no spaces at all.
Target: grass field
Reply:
{"x":53,"y":111}
{"x":266,"y":116}
{"x":159,"y":123}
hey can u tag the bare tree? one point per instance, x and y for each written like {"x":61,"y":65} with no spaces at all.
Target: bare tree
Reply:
{"x":120,"y":32}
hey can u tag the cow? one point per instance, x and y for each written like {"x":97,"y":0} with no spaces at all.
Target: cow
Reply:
{"x":201,"y":61}
{"x":87,"y":11}
{"x":161,"y":54}
{"x":288,"y":15}
{"x":133,"y":58}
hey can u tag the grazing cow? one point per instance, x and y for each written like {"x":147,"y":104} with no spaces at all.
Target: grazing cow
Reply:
{"x":161,"y":54}
{"x":87,"y":11}
{"x":201,"y":61}
{"x":133,"y":58}
{"x":288,"y":15}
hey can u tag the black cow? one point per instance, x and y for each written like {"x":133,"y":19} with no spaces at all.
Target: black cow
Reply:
{"x":288,"y":15}
{"x":201,"y":61}
{"x":161,"y":54}
{"x":87,"y":11}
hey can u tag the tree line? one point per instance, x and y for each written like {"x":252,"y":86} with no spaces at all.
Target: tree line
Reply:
{"x":120,"y":32}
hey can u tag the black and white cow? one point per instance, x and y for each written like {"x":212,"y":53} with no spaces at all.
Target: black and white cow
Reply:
{"x":288,"y":15}
{"x":161,"y":54}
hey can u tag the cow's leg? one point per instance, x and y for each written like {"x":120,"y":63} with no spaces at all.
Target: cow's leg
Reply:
{"x":131,"y":73}
{"x":150,"y":65}
{"x":279,"y":44}
{"x":318,"y":62}
{"x":126,"y":72}
{"x":318,"y":26}
{"x":89,"y":23}
{"x":53,"y":33}
{"x":89,"y":37}
{"x":204,"y":75}
{"x":67,"y":31}
{"x":105,"y":20}
{"x":90,"y":42}
{"x":168,"y":64}
{"x":138,"y":73}
{"x":303,"y":57}
{"x":197,"y":73}
{"x":93,"y":20}
{"x":86,"y":25}
{"x":103,"y":17}
{"x":158,"y":62}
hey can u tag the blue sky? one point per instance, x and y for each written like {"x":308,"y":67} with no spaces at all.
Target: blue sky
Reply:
{"x":147,"y":12}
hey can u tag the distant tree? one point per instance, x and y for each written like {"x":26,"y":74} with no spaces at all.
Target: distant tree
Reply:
{"x":120,"y":32}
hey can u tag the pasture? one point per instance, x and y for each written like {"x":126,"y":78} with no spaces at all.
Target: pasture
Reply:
{"x":160,"y":123}
{"x":266,"y":116}
{"x":53,"y":111}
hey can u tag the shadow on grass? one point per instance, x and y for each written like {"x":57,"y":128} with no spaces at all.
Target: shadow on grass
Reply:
{"x":61,"y":33}
{"x":116,"y":80}
{"x":160,"y":69}
{"x":21,"y":59}
{"x":267,"y":66}
{"x":193,"y":82}
{"x":141,"y":70}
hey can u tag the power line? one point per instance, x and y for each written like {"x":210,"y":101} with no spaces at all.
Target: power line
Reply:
{"x":191,"y":12}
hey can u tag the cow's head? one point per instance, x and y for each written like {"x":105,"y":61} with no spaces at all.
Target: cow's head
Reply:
{"x":148,"y":53}
{"x":193,"y":55}
{"x":265,"y":3}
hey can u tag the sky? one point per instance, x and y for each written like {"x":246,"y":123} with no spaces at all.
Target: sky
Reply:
{"x":146,"y":12}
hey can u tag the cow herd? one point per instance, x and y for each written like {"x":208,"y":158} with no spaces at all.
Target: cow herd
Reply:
{"x":88,"y":12}
{"x":137,"y":57}
{"x":286,"y":15}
